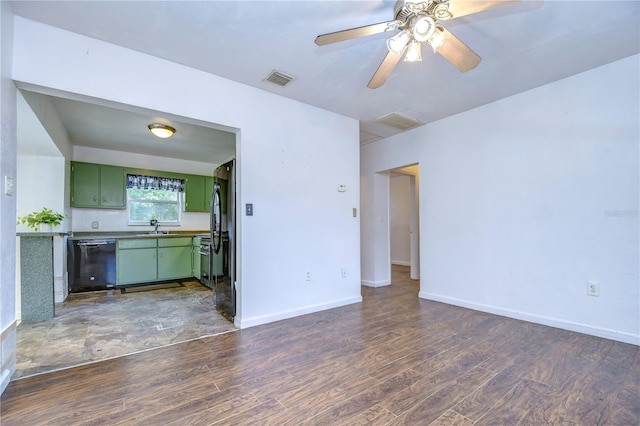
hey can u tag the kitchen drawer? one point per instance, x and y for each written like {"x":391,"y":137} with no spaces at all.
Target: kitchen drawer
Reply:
{"x":175,"y":242}
{"x":135,"y":244}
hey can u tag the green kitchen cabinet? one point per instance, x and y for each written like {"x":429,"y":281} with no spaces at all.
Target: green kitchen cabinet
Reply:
{"x":208,"y":192}
{"x":85,"y":185}
{"x":112,"y":187}
{"x":194,"y":200}
{"x":175,"y":258}
{"x":97,"y":186}
{"x":154,"y":259}
{"x":137,"y":261}
{"x":198,"y":193}
{"x":196,"y":258}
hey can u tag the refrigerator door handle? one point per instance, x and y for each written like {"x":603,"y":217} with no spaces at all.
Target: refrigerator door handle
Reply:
{"x":216,"y":214}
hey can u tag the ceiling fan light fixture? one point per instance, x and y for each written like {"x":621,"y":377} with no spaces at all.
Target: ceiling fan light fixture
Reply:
{"x":437,"y":39}
{"x":414,"y":53}
{"x":398,"y":42}
{"x":161,"y":130}
{"x":423,"y":27}
{"x":441,"y":12}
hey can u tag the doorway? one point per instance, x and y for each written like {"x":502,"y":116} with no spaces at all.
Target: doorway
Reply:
{"x":190,"y":312}
{"x":404,"y":219}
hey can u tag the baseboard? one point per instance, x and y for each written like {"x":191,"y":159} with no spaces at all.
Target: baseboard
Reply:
{"x":259,"y":320}
{"x":606,"y":333}
{"x":375,"y":283}
{"x":400,"y":263}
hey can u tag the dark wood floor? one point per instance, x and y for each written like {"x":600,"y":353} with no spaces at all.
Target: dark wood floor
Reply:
{"x":394,"y":359}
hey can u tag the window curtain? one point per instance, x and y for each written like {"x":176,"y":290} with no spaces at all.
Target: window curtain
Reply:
{"x":155,"y":182}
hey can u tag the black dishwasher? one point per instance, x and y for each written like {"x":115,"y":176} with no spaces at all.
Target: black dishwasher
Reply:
{"x":91,"y":264}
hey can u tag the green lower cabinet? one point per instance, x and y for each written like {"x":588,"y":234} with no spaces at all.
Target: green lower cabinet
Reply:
{"x":196,"y":258}
{"x":154,"y":259}
{"x":174,"y":262}
{"x":137,"y":266}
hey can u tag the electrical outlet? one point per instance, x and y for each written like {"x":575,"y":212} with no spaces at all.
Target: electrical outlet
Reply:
{"x":308,"y":276}
{"x":593,"y":288}
{"x":343,"y":272}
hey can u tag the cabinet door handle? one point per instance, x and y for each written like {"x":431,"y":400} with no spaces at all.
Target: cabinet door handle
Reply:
{"x":104,"y":198}
{"x":95,"y":198}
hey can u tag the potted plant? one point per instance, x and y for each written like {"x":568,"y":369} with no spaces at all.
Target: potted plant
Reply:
{"x":46,"y":216}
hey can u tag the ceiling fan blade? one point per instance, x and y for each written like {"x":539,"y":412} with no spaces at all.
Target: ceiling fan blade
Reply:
{"x":367,"y":30}
{"x":384,"y":70}
{"x":459,"y":8}
{"x":458,"y":53}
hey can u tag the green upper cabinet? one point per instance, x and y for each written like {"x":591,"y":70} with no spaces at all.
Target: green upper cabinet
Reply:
{"x":198,"y":192}
{"x":194,"y":200}
{"x":112,"y":187}
{"x":97,"y":186}
{"x":101,"y":186}
{"x":85,"y":185}
{"x":208,"y":192}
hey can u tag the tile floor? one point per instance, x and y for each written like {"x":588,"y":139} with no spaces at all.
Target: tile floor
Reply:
{"x":98,"y":325}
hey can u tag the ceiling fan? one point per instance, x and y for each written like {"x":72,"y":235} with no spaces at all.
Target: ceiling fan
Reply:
{"x":419,"y":22}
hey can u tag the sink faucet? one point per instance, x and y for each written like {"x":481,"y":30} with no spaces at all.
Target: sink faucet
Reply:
{"x":155,"y":224}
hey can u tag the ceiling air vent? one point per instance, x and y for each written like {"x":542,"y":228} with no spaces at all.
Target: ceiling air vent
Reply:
{"x":279,"y":78}
{"x":398,"y":121}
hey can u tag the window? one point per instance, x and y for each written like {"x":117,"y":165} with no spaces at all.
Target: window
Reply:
{"x":150,"y":197}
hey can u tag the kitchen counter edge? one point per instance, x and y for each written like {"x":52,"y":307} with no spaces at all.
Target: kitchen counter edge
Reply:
{"x":122,"y":235}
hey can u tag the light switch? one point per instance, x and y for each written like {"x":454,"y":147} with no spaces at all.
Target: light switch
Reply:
{"x":249,"y":209}
{"x":355,"y":212}
{"x":8,"y":185}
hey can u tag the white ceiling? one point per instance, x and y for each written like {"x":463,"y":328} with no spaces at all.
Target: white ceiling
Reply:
{"x":523,"y":45}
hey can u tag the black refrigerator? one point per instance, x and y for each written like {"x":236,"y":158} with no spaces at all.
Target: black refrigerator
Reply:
{"x":223,"y":230}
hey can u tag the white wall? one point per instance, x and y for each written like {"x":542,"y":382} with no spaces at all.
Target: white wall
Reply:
{"x":526,"y":199}
{"x":40,"y":184}
{"x":400,"y":217}
{"x":291,"y":157}
{"x":375,"y":256}
{"x":8,"y":135}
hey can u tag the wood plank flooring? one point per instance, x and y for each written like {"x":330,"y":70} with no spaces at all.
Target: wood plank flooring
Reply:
{"x":394,"y":359}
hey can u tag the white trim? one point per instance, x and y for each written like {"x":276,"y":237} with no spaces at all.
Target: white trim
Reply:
{"x":8,"y":341}
{"x":375,"y":283}
{"x":5,"y":377}
{"x":400,"y":263}
{"x":606,"y":333}
{"x":259,"y":320}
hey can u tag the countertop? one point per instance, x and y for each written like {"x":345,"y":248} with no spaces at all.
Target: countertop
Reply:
{"x":41,"y":234}
{"x":130,"y":235}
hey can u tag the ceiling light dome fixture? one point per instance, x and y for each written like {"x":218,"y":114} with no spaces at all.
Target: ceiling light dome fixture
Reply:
{"x":161,"y":130}
{"x":423,"y":27}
